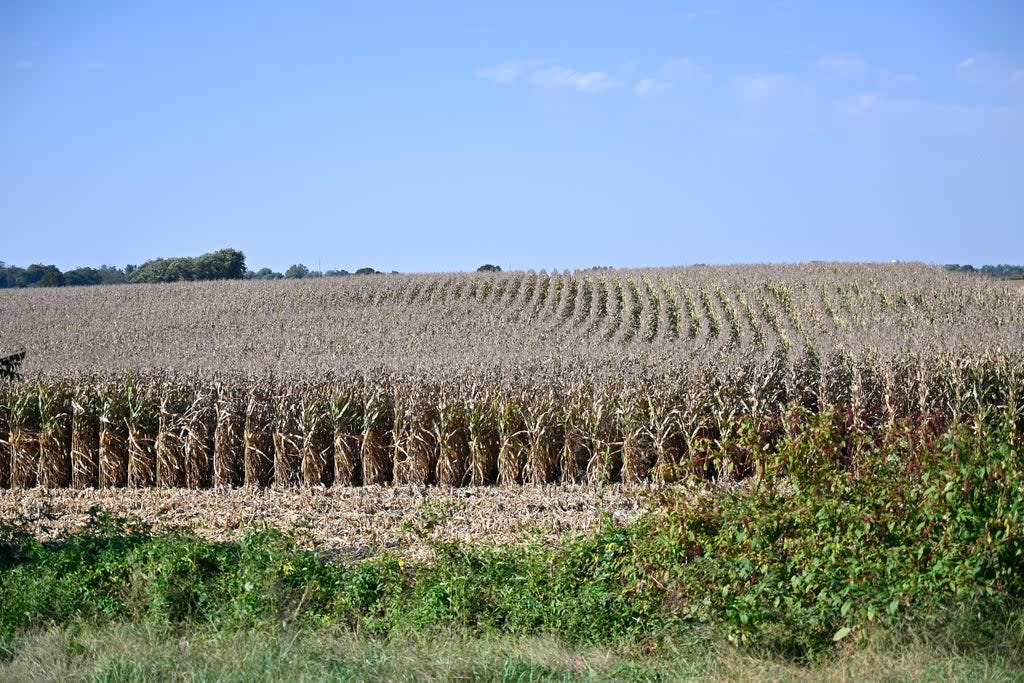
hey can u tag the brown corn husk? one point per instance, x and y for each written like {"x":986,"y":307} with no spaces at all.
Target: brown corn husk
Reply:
{"x":85,"y":445}
{"x":512,"y":454}
{"x":198,"y":426}
{"x":638,"y":457}
{"x":142,"y":417}
{"x":576,"y":453}
{"x":170,"y":446}
{"x":258,"y":457}
{"x":113,"y":455}
{"x":55,"y":453}
{"x":667,"y":466}
{"x":375,"y":456}
{"x":453,"y":443}
{"x":348,"y":470}
{"x":513,"y":447}
{"x":287,"y":442}
{"x":415,"y":445}
{"x":484,"y":446}
{"x":229,"y":439}
{"x":546,"y":443}
{"x":5,"y":449}
{"x":142,"y":458}
{"x":348,"y":420}
{"x":317,"y":447}
{"x":668,"y":444}
{"x":605,"y":464}
{"x":375,"y":452}
{"x":24,"y":443}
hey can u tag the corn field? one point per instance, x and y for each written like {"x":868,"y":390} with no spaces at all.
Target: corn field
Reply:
{"x":492,"y":378}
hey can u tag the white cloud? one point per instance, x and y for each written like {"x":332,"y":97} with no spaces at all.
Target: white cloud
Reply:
{"x":673,"y":72}
{"x":628,"y":67}
{"x":506,"y":72}
{"x":535,"y":73}
{"x":970,"y":69}
{"x":992,"y":72}
{"x":896,"y":81}
{"x":760,"y":87}
{"x":649,"y":86}
{"x":877,"y":116}
{"x":856,"y":106}
{"x":562,"y":77}
{"x":843,"y":66}
{"x":684,"y":71}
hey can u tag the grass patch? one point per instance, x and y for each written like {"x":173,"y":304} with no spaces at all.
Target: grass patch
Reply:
{"x":133,"y":652}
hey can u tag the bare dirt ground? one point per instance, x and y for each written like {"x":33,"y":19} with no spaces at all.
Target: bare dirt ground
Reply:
{"x":345,"y":522}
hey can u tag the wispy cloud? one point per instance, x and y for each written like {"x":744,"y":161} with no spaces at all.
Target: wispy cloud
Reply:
{"x":896,"y":81}
{"x":855,"y":106}
{"x":684,"y":71}
{"x":843,"y":66}
{"x":671,"y":73}
{"x":992,"y":72}
{"x":536,"y":73}
{"x":506,"y":72}
{"x":761,"y":87}
{"x":648,"y":86}
{"x":562,"y":77}
{"x":877,"y":116}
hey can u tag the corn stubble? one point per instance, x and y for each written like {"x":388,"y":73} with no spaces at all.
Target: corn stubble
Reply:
{"x":479,"y":379}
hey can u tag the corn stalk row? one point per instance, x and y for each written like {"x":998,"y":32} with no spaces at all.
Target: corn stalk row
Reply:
{"x":723,"y":423}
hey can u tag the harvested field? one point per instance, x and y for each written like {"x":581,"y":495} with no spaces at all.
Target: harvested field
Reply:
{"x":349,"y":522}
{"x":495,"y":378}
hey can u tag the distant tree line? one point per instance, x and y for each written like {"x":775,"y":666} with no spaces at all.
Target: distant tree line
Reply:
{"x":298,"y":272}
{"x":1002,"y":271}
{"x":226,"y":264}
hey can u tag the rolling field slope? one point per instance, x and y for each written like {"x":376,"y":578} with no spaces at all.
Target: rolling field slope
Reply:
{"x":599,"y":376}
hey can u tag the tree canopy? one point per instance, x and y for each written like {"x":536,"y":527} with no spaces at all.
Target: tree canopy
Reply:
{"x":226,"y":264}
{"x":1000,"y":271}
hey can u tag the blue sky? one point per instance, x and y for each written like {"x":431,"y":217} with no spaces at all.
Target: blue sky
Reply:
{"x":440,"y":136}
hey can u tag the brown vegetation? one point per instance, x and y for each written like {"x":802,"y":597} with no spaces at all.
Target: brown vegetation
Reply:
{"x":489,"y":378}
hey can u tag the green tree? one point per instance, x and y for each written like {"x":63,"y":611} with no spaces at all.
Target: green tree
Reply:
{"x":11,"y":276}
{"x":264,"y":274}
{"x":38,"y":275}
{"x":489,"y":268}
{"x":109,"y":275}
{"x":226,"y":264}
{"x":296,"y":271}
{"x":82,"y":276}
